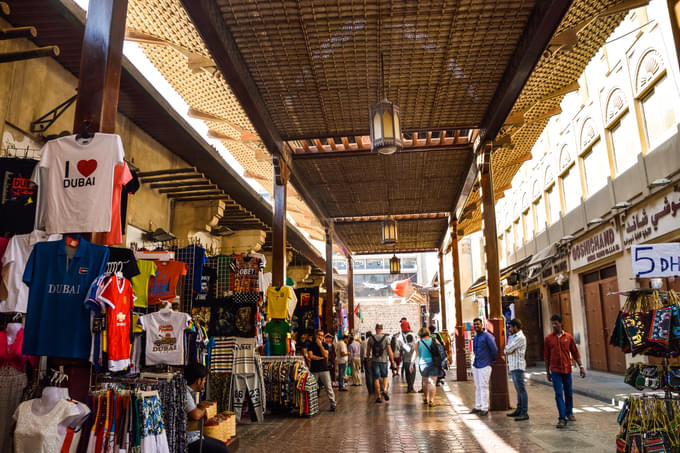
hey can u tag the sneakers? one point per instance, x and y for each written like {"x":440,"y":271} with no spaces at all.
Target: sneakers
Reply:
{"x":514,"y":413}
{"x":571,"y":418}
{"x":521,"y":418}
{"x":332,"y":408}
{"x":475,"y":411}
{"x":561,"y":424}
{"x":378,"y":400}
{"x":483,"y":413}
{"x":386,"y":396}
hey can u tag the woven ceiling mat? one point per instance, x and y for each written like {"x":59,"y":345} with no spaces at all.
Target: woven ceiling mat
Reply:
{"x":403,"y":183}
{"x":535,"y":104}
{"x":317,"y":62}
{"x":413,"y":234}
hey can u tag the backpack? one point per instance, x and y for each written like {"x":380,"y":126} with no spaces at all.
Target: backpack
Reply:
{"x":378,"y":346}
{"x":438,"y":354}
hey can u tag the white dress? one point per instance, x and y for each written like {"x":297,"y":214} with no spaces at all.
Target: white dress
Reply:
{"x":40,"y":433}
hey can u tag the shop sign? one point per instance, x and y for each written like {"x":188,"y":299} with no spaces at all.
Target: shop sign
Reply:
{"x":656,"y":260}
{"x":652,"y":220}
{"x":601,"y":245}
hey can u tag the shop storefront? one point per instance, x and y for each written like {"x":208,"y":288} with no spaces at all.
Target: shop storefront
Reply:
{"x":592,"y":261}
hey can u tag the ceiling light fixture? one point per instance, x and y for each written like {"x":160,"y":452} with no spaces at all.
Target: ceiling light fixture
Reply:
{"x":389,"y":231}
{"x":395,"y":265}
{"x":384,"y":123}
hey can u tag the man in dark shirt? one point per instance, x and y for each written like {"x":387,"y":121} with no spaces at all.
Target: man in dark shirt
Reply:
{"x":317,"y":354}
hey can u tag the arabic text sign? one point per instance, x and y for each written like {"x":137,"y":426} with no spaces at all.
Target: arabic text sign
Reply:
{"x":656,"y":260}
{"x":652,"y":220}
{"x":600,"y":245}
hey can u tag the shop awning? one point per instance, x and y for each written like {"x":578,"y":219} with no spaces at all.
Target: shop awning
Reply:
{"x":538,"y":261}
{"x":480,"y":283}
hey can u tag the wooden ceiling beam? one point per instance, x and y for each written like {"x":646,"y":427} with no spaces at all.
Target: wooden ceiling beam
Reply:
{"x":368,"y":152}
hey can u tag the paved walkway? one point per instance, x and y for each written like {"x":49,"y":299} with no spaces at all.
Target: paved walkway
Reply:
{"x":405,"y":425}
{"x":606,"y":387}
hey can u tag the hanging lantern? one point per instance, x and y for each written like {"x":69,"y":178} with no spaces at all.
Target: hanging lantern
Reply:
{"x":389,"y":232}
{"x":395,"y":265}
{"x":385,"y":128}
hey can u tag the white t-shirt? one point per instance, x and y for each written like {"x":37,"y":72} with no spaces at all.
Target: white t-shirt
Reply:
{"x":340,"y":350}
{"x":165,"y":337}
{"x":80,"y":182}
{"x":13,"y":264}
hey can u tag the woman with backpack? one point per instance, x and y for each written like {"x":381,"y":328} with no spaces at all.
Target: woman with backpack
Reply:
{"x":429,"y":370}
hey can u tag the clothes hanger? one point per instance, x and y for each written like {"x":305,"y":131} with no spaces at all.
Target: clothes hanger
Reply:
{"x":87,"y":132}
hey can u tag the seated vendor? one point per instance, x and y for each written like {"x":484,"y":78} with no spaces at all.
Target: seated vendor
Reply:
{"x":196,"y":374}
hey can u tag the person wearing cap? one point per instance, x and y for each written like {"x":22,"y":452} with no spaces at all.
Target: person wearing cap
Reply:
{"x":378,"y":351}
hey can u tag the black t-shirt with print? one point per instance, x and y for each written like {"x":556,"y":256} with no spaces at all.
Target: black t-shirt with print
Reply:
{"x":18,"y":195}
{"x":208,"y":283}
{"x":122,"y":260}
{"x":318,"y":365}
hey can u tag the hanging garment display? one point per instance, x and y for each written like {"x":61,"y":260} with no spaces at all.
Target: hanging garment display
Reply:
{"x":223,"y":286}
{"x":289,"y":384}
{"x":163,"y":286}
{"x":244,"y":276}
{"x":12,"y":379}
{"x":140,"y":283}
{"x":281,"y":302}
{"x":80,"y":172}
{"x":18,"y":198}
{"x":128,"y":189}
{"x":121,"y":176}
{"x":122,"y":260}
{"x":59,"y":278}
{"x":306,"y":315}
{"x":194,"y":257}
{"x":49,"y":424}
{"x":165,"y":337}
{"x":278,"y":332}
{"x":14,"y":261}
{"x":208,"y":283}
{"x":117,"y":296}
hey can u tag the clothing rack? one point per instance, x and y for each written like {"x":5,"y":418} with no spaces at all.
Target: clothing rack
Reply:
{"x":282,"y":358}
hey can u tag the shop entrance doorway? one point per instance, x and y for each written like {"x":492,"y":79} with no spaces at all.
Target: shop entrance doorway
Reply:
{"x":529,"y":312}
{"x":601,"y":313}
{"x":560,"y":304}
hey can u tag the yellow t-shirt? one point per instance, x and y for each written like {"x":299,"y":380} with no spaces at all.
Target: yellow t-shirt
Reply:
{"x":140,"y":283}
{"x":277,"y":301}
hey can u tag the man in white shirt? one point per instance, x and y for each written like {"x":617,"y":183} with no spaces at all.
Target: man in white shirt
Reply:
{"x":341,"y":356}
{"x":515,"y":352}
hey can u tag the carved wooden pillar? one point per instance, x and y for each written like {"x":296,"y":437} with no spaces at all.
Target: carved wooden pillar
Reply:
{"x":461,"y":365}
{"x":499,"y":374}
{"x":442,"y":295}
{"x":350,"y":294}
{"x":328,"y":282}
{"x":281,"y":174}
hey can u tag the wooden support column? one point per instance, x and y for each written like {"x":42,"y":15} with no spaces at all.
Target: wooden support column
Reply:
{"x":96,"y":107}
{"x":279,"y":258}
{"x":100,"y":66}
{"x":350,"y":294}
{"x":442,"y":292}
{"x":461,"y":365}
{"x":499,"y":375}
{"x":328,"y":282}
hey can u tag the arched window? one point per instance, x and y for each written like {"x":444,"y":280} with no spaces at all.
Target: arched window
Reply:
{"x":622,"y":130}
{"x":657,"y":98}
{"x":594,"y":158}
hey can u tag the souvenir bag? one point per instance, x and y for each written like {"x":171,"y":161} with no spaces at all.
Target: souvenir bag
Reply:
{"x":656,"y":439}
{"x":673,"y":377}
{"x":632,"y":373}
{"x":649,"y":377}
{"x":618,"y":338}
{"x":633,"y":427}
{"x":635,"y":328}
{"x":660,"y":326}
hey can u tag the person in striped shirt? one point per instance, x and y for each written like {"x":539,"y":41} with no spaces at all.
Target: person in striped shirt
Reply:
{"x":515,"y":352}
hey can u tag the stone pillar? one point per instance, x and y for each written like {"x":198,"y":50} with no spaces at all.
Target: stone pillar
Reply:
{"x":499,"y":374}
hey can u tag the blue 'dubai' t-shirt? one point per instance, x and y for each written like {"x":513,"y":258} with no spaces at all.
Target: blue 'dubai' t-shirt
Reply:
{"x":57,"y":320}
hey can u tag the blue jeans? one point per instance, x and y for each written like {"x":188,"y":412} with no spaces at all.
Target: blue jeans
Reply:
{"x":563,"y":393}
{"x":369,"y":377}
{"x":342,"y":370}
{"x":522,"y":397}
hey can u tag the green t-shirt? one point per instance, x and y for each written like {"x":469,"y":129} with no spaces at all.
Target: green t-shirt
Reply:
{"x":278,"y":336}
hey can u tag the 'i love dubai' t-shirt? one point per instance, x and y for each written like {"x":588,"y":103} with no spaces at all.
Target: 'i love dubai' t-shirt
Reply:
{"x":79,"y":182}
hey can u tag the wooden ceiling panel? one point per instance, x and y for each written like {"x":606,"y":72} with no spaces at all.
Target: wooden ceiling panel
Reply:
{"x":413,"y":234}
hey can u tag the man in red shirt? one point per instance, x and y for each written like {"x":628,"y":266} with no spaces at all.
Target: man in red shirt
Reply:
{"x":559,"y":351}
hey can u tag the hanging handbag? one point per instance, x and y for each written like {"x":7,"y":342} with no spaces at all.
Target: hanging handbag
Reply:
{"x":660,"y":328}
{"x":631,"y":374}
{"x":618,"y":338}
{"x":635,"y":327}
{"x":673,"y":377}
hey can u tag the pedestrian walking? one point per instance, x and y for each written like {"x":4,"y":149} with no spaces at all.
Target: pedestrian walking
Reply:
{"x":318,"y":356}
{"x":378,"y":352}
{"x":408,"y":355}
{"x":364,"y":363}
{"x":428,"y":369}
{"x":342,"y":357}
{"x":485,"y":349}
{"x":354,"y":349}
{"x":395,"y":344}
{"x":515,"y":352}
{"x":560,"y":349}
{"x":438,"y":339}
{"x":330,"y":341}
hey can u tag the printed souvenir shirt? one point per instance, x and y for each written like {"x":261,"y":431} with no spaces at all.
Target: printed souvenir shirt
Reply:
{"x":57,"y":321}
{"x":118,"y":297}
{"x":278,"y":301}
{"x":140,"y":283}
{"x":79,"y":191}
{"x":165,"y":337}
{"x":18,"y":197}
{"x":163,"y":286}
{"x":278,"y":336}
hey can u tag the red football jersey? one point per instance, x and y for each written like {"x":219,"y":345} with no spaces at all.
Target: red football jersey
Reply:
{"x":119,"y":298}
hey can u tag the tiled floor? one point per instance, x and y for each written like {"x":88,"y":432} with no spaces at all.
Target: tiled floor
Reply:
{"x":406,"y":425}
